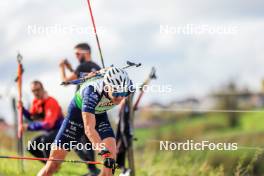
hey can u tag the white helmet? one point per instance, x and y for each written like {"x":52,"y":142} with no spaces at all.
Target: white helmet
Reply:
{"x":117,"y":79}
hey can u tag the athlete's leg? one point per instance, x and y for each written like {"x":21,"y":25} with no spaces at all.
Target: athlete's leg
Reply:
{"x":48,"y":138}
{"x":103,"y":127}
{"x":87,"y":154}
{"x":121,"y":158}
{"x":110,"y":144}
{"x":70,"y":131}
{"x":53,"y":166}
{"x":35,"y":151}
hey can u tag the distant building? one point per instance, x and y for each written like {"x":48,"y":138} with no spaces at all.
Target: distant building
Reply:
{"x":188,"y":103}
{"x":3,"y":124}
{"x":245,"y":99}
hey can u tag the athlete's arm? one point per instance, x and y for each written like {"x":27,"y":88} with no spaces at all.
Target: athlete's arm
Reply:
{"x":73,"y":76}
{"x":28,"y":113}
{"x":89,"y":123}
{"x":64,"y":78}
{"x":90,"y":100}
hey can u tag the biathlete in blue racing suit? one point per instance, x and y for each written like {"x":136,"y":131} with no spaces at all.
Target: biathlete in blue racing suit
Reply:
{"x":87,"y":116}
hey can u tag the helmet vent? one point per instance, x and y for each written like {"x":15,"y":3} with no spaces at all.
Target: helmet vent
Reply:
{"x":108,"y":79}
{"x":112,"y":82}
{"x":118,"y":82}
{"x":124,"y":83}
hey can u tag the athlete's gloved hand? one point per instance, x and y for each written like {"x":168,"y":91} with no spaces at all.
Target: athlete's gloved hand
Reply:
{"x":108,"y":162}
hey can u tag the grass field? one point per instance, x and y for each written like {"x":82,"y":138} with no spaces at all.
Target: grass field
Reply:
{"x":247,"y":160}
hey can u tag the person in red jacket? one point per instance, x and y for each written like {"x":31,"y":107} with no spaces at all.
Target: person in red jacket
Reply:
{"x":44,"y":115}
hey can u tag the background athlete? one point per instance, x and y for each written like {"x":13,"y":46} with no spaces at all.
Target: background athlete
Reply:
{"x":44,"y":115}
{"x":83,"y":55}
{"x":87,"y":116}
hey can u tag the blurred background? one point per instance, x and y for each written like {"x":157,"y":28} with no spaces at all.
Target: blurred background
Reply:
{"x":209,"y":53}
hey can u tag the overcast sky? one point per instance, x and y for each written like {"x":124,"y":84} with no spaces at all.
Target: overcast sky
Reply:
{"x":193,"y":64}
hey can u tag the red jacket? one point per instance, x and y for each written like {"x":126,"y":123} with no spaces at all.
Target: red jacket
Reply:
{"x":46,"y":114}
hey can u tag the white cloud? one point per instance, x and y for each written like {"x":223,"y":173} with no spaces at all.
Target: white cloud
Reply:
{"x":192,"y":64}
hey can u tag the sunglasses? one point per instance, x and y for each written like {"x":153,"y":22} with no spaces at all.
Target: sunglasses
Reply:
{"x":36,"y":90}
{"x":79,"y":53}
{"x":120,"y":94}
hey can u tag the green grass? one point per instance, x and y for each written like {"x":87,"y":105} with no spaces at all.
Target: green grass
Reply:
{"x":213,"y":127}
{"x":183,"y":129}
{"x":152,"y":162}
{"x":252,"y":121}
{"x":11,"y":167}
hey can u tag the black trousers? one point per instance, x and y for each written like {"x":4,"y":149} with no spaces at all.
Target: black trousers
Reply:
{"x":49,"y":137}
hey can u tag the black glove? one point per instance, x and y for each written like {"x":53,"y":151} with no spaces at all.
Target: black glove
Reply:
{"x":109,"y":163}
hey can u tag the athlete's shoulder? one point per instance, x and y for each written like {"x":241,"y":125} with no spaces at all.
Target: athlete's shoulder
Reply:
{"x":90,"y":98}
{"x":95,"y":66}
